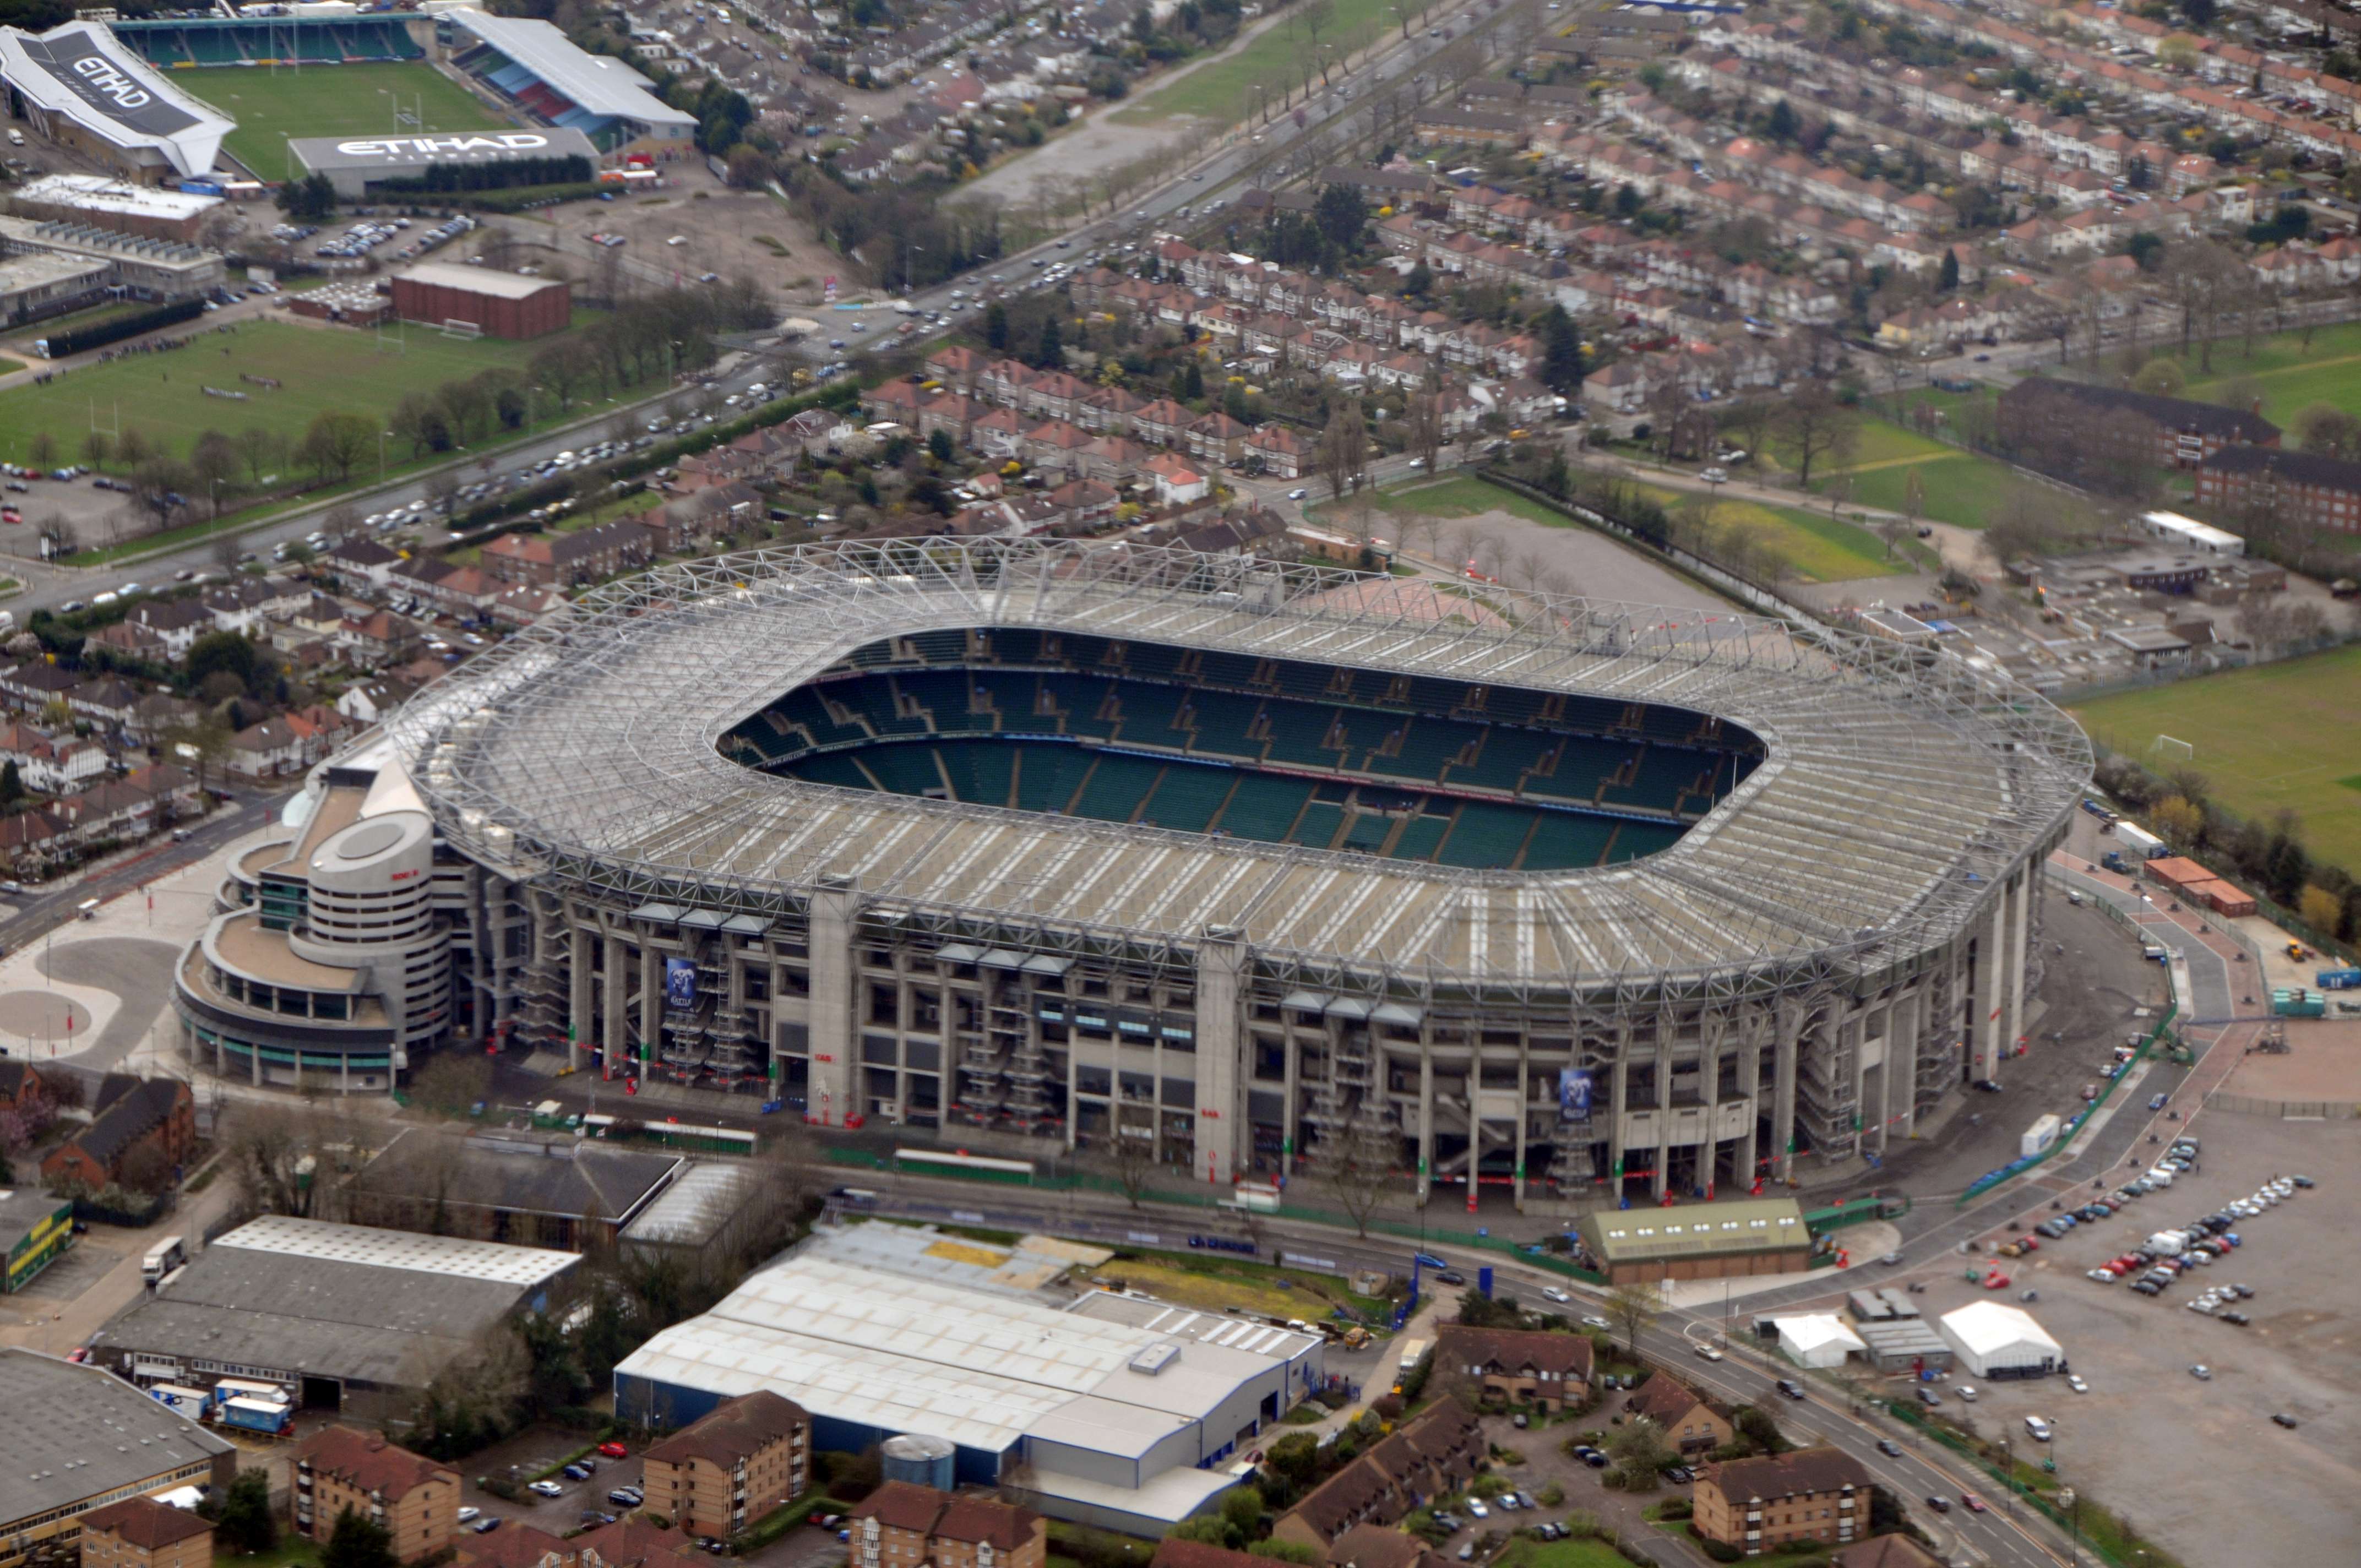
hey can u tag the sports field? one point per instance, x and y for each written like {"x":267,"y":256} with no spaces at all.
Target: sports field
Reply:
{"x":162,"y":395}
{"x":2291,"y":376}
{"x":1222,"y":91}
{"x":1960,"y":486}
{"x":2287,"y":734}
{"x":271,"y":105}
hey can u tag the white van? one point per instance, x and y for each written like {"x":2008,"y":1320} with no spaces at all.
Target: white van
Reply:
{"x":87,"y":909}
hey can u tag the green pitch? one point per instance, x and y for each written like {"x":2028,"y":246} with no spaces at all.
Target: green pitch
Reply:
{"x":273,"y":104}
{"x":162,"y":395}
{"x":2272,"y":736}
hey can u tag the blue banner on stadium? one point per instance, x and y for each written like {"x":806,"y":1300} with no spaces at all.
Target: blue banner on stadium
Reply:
{"x":680,"y":984}
{"x":1573,"y":1094}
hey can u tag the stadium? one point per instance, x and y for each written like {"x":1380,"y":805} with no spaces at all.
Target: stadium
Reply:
{"x":1039,"y":845}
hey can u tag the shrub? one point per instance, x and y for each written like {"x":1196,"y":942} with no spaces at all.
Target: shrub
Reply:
{"x":1675,"y":1509}
{"x":1721,"y":1551}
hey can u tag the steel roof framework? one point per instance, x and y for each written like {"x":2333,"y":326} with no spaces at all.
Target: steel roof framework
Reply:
{"x":1898,"y":790}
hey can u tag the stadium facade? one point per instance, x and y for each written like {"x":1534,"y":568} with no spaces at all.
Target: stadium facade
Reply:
{"x":1036,"y":844}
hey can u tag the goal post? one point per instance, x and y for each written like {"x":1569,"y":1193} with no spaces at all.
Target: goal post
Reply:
{"x":2174,"y":749}
{"x":455,"y":327}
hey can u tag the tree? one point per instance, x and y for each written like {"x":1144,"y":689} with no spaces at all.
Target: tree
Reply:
{"x":1632,"y":1308}
{"x":262,"y":448}
{"x":1343,"y":217}
{"x":2319,"y":908}
{"x":1761,"y":1428}
{"x":132,"y":448}
{"x":1638,"y":1448}
{"x":1343,"y":446}
{"x":1425,"y":417}
{"x":1295,"y":1458}
{"x":12,"y":785}
{"x":223,"y":650}
{"x":2325,"y":429}
{"x":43,"y":449}
{"x":942,"y":446}
{"x":146,"y":1168}
{"x":1815,"y":426}
{"x":1561,"y":352}
{"x":243,"y":1521}
{"x":2179,"y":822}
{"x":1052,"y":355}
{"x":1353,"y":1163}
{"x":97,"y":448}
{"x":1131,"y":1155}
{"x":1947,"y":281}
{"x":359,"y":1542}
{"x":995,"y":326}
{"x":2160,"y":377}
{"x":334,"y":442}
{"x":309,"y":199}
{"x":212,"y":467}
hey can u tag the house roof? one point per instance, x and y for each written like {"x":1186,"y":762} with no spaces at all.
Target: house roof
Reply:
{"x":144,"y":1523}
{"x":1457,"y":1345}
{"x":2301,"y":468}
{"x":1896,"y":1550}
{"x":2178,"y":413}
{"x":901,"y":1505}
{"x":133,"y":1115}
{"x":1803,"y":1472}
{"x":1663,"y":1399}
{"x":367,"y":1462}
{"x":735,"y":1431}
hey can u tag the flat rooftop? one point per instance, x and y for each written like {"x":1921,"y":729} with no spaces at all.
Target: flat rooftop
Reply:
{"x":479,"y":280}
{"x":1251,"y":1335}
{"x":98,"y":193}
{"x":459,"y":1257}
{"x":76,"y":1432}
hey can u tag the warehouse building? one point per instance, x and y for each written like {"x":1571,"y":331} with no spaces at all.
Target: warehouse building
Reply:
{"x":1818,"y":1339}
{"x":1756,"y":1235}
{"x":354,"y":164}
{"x":542,"y":1189}
{"x":1993,"y":1340}
{"x":115,"y":264}
{"x":77,"y":1438}
{"x":141,"y":211}
{"x":1113,"y":1423}
{"x":81,"y":87}
{"x":493,"y":303}
{"x":348,"y":1318}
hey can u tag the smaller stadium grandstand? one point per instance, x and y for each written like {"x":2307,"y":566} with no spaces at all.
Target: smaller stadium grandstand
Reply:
{"x":1281,"y":751}
{"x":83,"y":87}
{"x":181,"y":43}
{"x":535,"y":67}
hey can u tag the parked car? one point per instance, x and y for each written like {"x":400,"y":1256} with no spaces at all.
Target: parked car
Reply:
{"x":547,"y":1489}
{"x":470,"y":1514}
{"x":614,"y":1451}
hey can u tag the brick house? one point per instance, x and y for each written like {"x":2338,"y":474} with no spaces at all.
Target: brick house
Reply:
{"x":568,"y":560}
{"x":157,"y":1112}
{"x":141,"y":1532}
{"x":901,"y":1525}
{"x":266,"y":749}
{"x":1757,"y":1504}
{"x":1432,"y":1453}
{"x":1524,"y":1368}
{"x":17,"y":1079}
{"x":720,"y":1475}
{"x":1690,"y":1424}
{"x":2304,"y":487}
{"x":414,"y":1499}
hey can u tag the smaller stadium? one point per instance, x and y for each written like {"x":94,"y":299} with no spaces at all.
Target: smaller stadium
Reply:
{"x":533,"y":66}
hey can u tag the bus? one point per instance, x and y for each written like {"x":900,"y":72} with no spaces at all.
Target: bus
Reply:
{"x":981,"y":1167}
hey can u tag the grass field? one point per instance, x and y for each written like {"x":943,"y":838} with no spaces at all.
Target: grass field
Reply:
{"x":330,"y":101}
{"x":2277,"y":735}
{"x":161,"y":395}
{"x":1821,"y":549}
{"x":1960,"y":486}
{"x":1222,"y":91}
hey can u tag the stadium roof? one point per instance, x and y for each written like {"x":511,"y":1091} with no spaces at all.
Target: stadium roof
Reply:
{"x":1898,"y":785}
{"x":594,"y":81}
{"x":907,"y":1355}
{"x":83,"y":71}
{"x":77,"y":1432}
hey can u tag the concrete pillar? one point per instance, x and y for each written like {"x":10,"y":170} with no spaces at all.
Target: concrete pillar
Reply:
{"x":650,"y":1003}
{"x":1291,"y":1093}
{"x":1426,"y":1120}
{"x":1222,"y":1132}
{"x":254,"y":1059}
{"x":1991,"y":979}
{"x":946,"y":1089}
{"x":1783,"y":1091}
{"x":1663,"y":1176}
{"x":616,"y":1026}
{"x":1620,"y":1093}
{"x":1524,"y":1093}
{"x":2022,"y":892}
{"x":1750,"y":1080}
{"x":835,"y":1048}
{"x":580,"y":1024}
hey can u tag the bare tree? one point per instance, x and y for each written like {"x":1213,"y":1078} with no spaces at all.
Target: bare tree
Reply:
{"x":1632,"y":1308}
{"x":1817,"y":426}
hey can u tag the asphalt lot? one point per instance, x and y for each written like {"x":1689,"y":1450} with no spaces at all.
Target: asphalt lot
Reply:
{"x":2151,"y":1440}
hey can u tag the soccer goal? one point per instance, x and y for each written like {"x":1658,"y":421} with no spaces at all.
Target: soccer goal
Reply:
{"x":2172,"y":749}
{"x":454,"y":327}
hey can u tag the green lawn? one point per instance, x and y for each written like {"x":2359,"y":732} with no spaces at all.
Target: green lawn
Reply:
{"x":1589,"y":1551}
{"x":1821,"y":548}
{"x":1960,"y":488}
{"x":2276,"y":735}
{"x":2291,"y":375}
{"x":1222,"y":91}
{"x":161,"y":395}
{"x":269,"y":105}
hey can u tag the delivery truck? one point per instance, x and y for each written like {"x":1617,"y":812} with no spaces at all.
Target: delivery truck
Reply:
{"x":2138,"y":842}
{"x":256,"y":1416}
{"x":194,"y":1403}
{"x":2037,"y":1139}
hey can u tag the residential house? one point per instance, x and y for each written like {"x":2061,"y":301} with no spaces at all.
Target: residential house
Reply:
{"x":1524,"y":1368}
{"x":51,"y":764}
{"x":265,"y":750}
{"x":369,"y":702}
{"x":361,"y":562}
{"x":1758,"y":1505}
{"x":339,"y":1467}
{"x":33,"y":842}
{"x":1435,"y":1452}
{"x":720,"y":1473}
{"x":1689,"y":1423}
{"x":1177,"y":484}
{"x":2174,"y":432}
{"x":179,"y":622}
{"x":132,"y":640}
{"x":17,"y":1080}
{"x":377,"y":638}
{"x":902,"y":1525}
{"x":568,"y":560}
{"x":141,"y":1532}
{"x":154,"y":1113}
